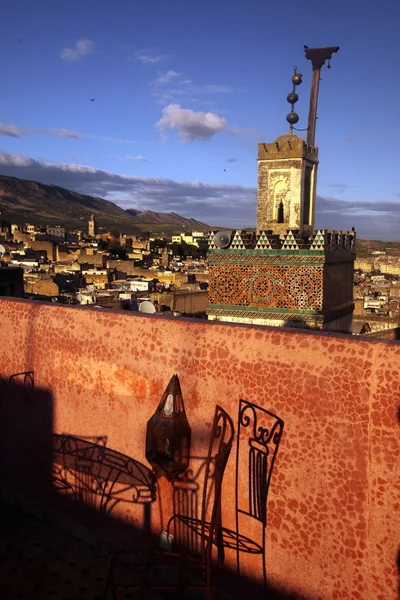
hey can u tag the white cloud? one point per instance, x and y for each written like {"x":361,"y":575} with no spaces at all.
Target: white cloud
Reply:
{"x":112,"y":139}
{"x":12,"y":130}
{"x":17,"y":131}
{"x":149,"y":57}
{"x":190,"y":124}
{"x":338,"y":188}
{"x":139,"y":158}
{"x":171,"y":86}
{"x":64,"y":133}
{"x":81,"y":48}
{"x":166,"y":78}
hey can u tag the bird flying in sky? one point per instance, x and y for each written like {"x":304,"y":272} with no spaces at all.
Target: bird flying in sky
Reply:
{"x":92,"y":99}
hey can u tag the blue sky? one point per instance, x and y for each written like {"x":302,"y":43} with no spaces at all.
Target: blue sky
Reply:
{"x":185,"y":91}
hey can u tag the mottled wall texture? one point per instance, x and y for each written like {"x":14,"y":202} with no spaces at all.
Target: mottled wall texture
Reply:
{"x":333,"y":528}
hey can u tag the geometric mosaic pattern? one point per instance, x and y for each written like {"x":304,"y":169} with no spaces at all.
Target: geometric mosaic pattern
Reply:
{"x":272,"y":316}
{"x":290,"y":242}
{"x":270,"y":286}
{"x":237,"y":242}
{"x":318,"y":242}
{"x":211,"y":245}
{"x":263,"y":242}
{"x":323,"y":240}
{"x":252,"y":257}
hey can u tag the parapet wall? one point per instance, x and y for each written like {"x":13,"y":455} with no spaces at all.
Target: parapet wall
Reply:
{"x":333,"y":509}
{"x":321,"y":240}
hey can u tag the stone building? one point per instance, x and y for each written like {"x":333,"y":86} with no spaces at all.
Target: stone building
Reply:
{"x":41,"y":286}
{"x":287,"y":175}
{"x":92,"y":226}
{"x":56,"y":233}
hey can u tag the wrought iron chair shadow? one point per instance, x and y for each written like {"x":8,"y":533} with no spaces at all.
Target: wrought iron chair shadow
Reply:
{"x":258,"y":438}
{"x":186,"y":520}
{"x":259,"y":434}
{"x":18,"y":385}
{"x":26,"y":378}
{"x":99,"y":477}
{"x":174,"y":572}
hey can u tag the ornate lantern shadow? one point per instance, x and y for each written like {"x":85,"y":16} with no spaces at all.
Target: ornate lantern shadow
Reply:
{"x":168,"y":434}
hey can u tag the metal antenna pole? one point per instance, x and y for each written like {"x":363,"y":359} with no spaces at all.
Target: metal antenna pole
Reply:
{"x":318,"y":56}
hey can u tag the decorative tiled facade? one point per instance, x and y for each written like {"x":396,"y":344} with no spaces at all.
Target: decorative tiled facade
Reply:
{"x":291,"y":280}
{"x":275,"y":286}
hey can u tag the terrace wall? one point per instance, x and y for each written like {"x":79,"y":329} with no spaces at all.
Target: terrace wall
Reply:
{"x":333,"y":529}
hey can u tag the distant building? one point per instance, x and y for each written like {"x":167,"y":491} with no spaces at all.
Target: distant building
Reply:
{"x":165,"y":257}
{"x":41,"y":287}
{"x":5,"y":228}
{"x":194,"y":239}
{"x":92,"y":226}
{"x":47,"y":249}
{"x":98,"y":277}
{"x":56,"y":233}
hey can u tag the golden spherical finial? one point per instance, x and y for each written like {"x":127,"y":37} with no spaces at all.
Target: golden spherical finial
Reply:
{"x":292,"y":98}
{"x":297,"y":79}
{"x":292,"y":118}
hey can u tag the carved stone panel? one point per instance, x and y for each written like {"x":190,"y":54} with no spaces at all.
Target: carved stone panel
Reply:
{"x":279,"y":195}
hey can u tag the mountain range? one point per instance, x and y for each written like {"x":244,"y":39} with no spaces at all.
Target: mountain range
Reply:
{"x":23,"y":201}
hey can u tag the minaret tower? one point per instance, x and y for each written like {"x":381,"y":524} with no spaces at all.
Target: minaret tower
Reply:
{"x":286,"y":274}
{"x":92,"y":226}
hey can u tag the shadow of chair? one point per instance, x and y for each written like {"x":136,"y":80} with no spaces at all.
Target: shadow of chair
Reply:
{"x":175,"y":572}
{"x":258,"y":438}
{"x":187,"y":504}
{"x":26,"y":378}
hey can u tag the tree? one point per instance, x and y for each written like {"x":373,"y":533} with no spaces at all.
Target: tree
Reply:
{"x":115,"y":233}
{"x":102,"y":244}
{"x":116,"y":249}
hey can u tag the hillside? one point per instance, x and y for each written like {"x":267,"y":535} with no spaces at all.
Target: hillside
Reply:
{"x":23,"y":201}
{"x":365,"y":248}
{"x":148,"y":216}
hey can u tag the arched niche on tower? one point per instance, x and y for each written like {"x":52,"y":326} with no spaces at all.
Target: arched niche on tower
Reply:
{"x":281,"y":203}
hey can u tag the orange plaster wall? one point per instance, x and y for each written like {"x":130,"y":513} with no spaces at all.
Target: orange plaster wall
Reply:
{"x":333,"y":530}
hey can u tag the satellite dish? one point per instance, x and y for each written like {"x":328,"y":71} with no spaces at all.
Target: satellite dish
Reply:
{"x":2,"y":250}
{"x":222,"y":239}
{"x":147,"y":307}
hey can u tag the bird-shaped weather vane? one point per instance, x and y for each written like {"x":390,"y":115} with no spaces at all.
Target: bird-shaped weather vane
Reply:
{"x":318,"y":56}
